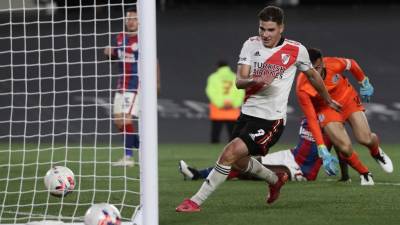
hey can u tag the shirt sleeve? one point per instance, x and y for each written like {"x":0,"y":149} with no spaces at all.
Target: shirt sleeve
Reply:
{"x":245,"y":54}
{"x":309,"y":111}
{"x":303,"y":62}
{"x":355,"y":69}
{"x":303,"y":84}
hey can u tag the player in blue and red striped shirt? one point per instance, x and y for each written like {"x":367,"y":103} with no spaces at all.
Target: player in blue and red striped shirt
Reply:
{"x":306,"y":152}
{"x":125,"y":49}
{"x":301,"y":162}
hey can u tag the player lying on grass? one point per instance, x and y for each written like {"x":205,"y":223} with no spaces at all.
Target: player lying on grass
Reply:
{"x":332,"y":122}
{"x":302,"y":162}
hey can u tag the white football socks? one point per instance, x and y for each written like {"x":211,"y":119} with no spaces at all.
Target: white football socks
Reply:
{"x":216,"y":177}
{"x":256,"y":168}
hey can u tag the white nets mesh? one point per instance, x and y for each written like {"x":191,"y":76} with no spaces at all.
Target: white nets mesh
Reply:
{"x":56,"y":91}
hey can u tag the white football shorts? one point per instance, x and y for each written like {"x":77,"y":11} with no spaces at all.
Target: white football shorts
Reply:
{"x":127,"y":103}
{"x":284,"y":158}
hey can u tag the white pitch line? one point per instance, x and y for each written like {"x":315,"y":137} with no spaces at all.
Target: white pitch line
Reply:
{"x":387,"y":183}
{"x":379,"y":183}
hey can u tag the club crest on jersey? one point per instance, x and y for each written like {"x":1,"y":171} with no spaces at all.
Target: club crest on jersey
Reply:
{"x":259,"y":133}
{"x":285,"y":58}
{"x":321,"y":117}
{"x":335,"y":78}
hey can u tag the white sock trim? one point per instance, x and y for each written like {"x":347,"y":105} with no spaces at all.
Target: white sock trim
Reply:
{"x":216,"y":177}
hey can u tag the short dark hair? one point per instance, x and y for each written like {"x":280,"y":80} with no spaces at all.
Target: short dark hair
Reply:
{"x":131,"y":9}
{"x":272,"y":13}
{"x":314,"y":54}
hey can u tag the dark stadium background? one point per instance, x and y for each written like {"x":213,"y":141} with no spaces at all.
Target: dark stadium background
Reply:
{"x":191,"y":41}
{"x":192,"y":36}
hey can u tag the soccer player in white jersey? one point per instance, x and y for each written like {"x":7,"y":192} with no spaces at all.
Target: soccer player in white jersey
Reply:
{"x":266,"y":70}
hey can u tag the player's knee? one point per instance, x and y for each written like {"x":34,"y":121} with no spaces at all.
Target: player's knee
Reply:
{"x":120,"y":121}
{"x":365,"y":138}
{"x":346,"y":148}
{"x":230,"y":154}
{"x":227,"y":157}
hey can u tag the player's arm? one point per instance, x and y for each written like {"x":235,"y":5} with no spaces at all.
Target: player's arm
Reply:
{"x":309,"y":111}
{"x":343,"y":64}
{"x":110,"y":53}
{"x":243,"y":79}
{"x":316,"y":81}
{"x":366,"y":89}
{"x":355,"y":69}
{"x":304,"y":65}
{"x":329,"y":162}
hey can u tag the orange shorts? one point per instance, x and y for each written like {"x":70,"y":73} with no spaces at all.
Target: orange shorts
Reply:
{"x":352,"y":104}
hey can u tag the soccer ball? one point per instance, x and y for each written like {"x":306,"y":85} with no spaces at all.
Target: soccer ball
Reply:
{"x":59,"y":180}
{"x":102,"y":214}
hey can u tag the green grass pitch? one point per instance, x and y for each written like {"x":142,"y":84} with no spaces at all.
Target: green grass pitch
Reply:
{"x":324,"y":201}
{"x":94,"y":179}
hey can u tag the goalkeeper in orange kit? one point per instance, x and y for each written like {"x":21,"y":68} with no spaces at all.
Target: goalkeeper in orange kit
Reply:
{"x":332,"y":122}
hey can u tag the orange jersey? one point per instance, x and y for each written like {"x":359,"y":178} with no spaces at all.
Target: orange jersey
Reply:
{"x":337,"y":85}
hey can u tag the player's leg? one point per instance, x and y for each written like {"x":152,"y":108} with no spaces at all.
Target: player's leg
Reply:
{"x":255,"y":137}
{"x":344,"y":168}
{"x":232,"y":152}
{"x":283,"y":159}
{"x":364,"y":136}
{"x":192,"y":173}
{"x":277,"y":169}
{"x":123,"y":103}
{"x":133,"y":111}
{"x":259,"y":136}
{"x":362,"y":132}
{"x":341,"y":140}
{"x":216,"y":127}
{"x":252,"y":166}
{"x":220,"y":172}
{"x":131,"y":139}
{"x":124,"y":123}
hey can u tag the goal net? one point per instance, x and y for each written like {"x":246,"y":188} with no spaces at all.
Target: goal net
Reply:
{"x":56,"y":94}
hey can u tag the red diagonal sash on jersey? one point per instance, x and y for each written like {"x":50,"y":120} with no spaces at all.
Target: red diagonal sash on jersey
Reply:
{"x":281,"y":59}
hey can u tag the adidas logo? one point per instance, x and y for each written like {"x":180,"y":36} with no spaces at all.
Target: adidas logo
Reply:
{"x":257,"y":53}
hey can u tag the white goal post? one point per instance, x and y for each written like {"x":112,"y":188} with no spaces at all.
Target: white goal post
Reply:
{"x":56,"y":108}
{"x":147,"y":65}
